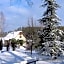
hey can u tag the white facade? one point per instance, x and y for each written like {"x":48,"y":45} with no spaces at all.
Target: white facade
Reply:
{"x":16,"y":34}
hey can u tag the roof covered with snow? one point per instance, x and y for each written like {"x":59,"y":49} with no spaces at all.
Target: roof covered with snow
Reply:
{"x":15,"y":35}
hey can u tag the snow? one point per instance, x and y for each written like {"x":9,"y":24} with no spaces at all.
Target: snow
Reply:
{"x":43,"y":62}
{"x":22,"y":56}
{"x":15,"y":35}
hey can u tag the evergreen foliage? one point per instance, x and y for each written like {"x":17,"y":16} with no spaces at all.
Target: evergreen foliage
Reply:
{"x":20,"y":42}
{"x":48,"y":37}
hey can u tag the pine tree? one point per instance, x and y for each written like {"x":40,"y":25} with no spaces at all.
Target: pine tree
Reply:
{"x":50,"y":22}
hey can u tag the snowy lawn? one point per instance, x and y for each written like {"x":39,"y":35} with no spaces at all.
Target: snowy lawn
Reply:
{"x":12,"y":57}
{"x":21,"y":56}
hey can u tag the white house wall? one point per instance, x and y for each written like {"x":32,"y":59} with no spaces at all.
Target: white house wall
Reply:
{"x":15,"y":35}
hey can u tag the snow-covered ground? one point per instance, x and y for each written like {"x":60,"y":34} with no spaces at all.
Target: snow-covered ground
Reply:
{"x":20,"y":56}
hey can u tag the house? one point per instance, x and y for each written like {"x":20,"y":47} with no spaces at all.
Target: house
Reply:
{"x":18,"y":35}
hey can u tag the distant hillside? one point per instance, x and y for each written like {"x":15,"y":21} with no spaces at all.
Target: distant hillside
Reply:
{"x":61,"y":27}
{"x":30,"y":30}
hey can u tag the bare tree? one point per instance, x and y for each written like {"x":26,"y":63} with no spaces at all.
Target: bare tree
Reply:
{"x":29,"y":2}
{"x":2,"y":19}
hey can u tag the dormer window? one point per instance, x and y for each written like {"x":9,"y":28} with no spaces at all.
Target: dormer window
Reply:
{"x":20,"y":33}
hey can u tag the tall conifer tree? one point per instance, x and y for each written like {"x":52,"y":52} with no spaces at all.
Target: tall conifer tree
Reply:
{"x":50,"y":22}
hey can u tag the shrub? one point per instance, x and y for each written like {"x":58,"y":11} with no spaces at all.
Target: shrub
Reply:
{"x":20,"y":42}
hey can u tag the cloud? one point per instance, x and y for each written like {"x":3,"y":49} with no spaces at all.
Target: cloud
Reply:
{"x":4,"y":3}
{"x":18,"y":13}
{"x":15,"y":14}
{"x":18,"y":10}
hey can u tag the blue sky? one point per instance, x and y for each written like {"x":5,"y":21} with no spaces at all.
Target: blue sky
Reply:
{"x":17,"y":14}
